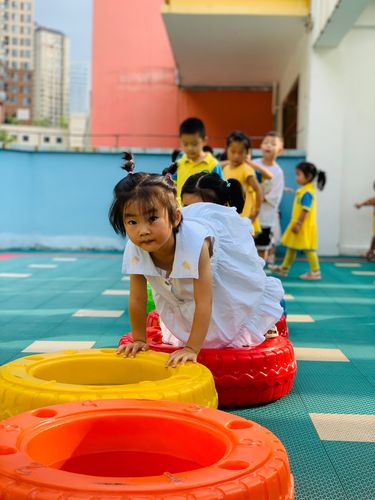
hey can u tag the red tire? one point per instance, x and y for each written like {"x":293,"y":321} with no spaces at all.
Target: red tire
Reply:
{"x":84,"y":450}
{"x":246,"y":376}
{"x":282,"y":327}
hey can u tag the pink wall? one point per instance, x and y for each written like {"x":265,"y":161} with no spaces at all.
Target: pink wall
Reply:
{"x":134,"y":91}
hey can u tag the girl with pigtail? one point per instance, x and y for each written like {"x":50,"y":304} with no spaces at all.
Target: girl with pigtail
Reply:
{"x":302,"y":233}
{"x":207,"y":280}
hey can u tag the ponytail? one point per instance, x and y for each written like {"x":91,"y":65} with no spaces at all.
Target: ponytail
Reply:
{"x":235,"y":195}
{"x":321,"y":180}
{"x":212,"y":188}
{"x":171,"y":170}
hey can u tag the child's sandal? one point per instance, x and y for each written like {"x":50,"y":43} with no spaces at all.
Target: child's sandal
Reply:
{"x":311,"y":276}
{"x":279,"y":270}
{"x":272,"y":333}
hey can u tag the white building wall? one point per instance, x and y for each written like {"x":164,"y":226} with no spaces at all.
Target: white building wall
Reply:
{"x":336,"y":125}
{"x":341,"y":125}
{"x":297,"y":69}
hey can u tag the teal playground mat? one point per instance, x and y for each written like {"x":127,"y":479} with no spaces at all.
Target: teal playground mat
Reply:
{"x":334,"y":319}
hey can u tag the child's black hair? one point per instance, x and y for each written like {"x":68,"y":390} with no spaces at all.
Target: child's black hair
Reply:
{"x":212,"y":188}
{"x":238,"y":136}
{"x":208,"y":149}
{"x":310,"y":171}
{"x":193,"y":126}
{"x":149,"y":190}
{"x":274,"y":133}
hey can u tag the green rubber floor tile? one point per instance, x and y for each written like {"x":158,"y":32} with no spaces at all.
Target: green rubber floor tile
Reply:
{"x":315,"y":478}
{"x":107,"y":341}
{"x":334,"y":387}
{"x":354,"y":464}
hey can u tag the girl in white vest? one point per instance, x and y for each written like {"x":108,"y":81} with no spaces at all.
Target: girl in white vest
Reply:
{"x":207,"y":280}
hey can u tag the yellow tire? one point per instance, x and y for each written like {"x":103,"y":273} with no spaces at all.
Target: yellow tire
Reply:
{"x":64,"y":376}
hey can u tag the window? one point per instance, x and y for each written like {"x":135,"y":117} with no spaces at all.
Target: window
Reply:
{"x":46,"y":140}
{"x":26,"y":101}
{"x":27,"y":30}
{"x":14,"y":40}
{"x":27,"y":53}
{"x":26,"y":90}
{"x":14,"y":28}
{"x":15,"y":5}
{"x":14,"y":100}
{"x":26,"y":65}
{"x":14,"y":53}
{"x":14,"y":66}
{"x":28,"y":19}
{"x":25,"y":138}
{"x":59,"y":140}
{"x":14,"y":89}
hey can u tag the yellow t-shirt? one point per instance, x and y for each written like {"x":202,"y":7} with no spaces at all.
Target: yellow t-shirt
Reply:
{"x":241,"y":174}
{"x":186,"y":168}
{"x":307,"y":236}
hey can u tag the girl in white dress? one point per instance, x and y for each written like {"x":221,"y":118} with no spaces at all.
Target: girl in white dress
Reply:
{"x":207,"y":280}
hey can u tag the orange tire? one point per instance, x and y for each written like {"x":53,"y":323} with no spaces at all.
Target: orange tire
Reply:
{"x":139,"y":450}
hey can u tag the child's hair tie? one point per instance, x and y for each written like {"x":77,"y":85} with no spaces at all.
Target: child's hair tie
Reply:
{"x":129,"y":164}
{"x":169,"y":178}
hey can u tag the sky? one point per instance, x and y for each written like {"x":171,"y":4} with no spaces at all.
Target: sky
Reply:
{"x":72,"y":17}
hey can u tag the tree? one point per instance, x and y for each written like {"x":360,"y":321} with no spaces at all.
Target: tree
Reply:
{"x":63,"y":122}
{"x":5,"y":138}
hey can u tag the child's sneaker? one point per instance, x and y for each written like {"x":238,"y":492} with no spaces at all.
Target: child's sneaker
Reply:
{"x":311,"y":276}
{"x":279,"y":270}
{"x":272,"y":333}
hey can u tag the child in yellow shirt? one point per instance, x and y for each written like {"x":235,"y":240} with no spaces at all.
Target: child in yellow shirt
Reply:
{"x":238,"y":148}
{"x":301,"y":233}
{"x":194,"y":159}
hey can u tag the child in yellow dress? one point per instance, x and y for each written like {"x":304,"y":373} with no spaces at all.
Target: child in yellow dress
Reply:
{"x":301,"y":233}
{"x":238,"y":147}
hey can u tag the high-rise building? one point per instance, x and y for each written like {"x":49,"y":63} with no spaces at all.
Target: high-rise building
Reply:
{"x":79,"y":87}
{"x":17,"y":41}
{"x":2,"y":62}
{"x":51,"y":76}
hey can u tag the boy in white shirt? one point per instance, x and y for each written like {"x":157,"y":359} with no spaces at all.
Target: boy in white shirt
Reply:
{"x":272,"y":146}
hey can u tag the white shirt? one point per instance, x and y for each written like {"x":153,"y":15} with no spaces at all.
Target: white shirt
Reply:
{"x":273,"y":191}
{"x":245,"y":301}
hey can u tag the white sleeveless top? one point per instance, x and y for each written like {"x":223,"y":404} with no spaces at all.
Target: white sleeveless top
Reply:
{"x":246,"y":303}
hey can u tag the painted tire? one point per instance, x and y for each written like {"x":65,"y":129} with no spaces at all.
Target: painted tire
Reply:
{"x":246,"y":376}
{"x":282,"y":327}
{"x":61,"y":377}
{"x":174,"y":451}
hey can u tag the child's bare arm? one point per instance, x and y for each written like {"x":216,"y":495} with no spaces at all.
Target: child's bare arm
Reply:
{"x":138,"y":315}
{"x":367,"y":203}
{"x":263,"y":170}
{"x":253,"y":182}
{"x":202,"y":313}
